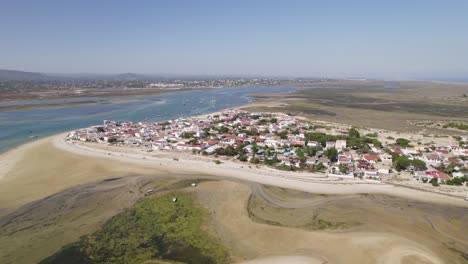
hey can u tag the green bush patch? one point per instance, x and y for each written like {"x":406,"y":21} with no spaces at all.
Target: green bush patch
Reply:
{"x":156,"y":228}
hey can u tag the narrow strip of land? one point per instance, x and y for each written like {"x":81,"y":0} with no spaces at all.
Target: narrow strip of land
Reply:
{"x":309,"y":182}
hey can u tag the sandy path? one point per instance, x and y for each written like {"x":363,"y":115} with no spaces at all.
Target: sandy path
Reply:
{"x":308,"y":183}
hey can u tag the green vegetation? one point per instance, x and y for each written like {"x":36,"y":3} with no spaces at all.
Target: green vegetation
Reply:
{"x":156,"y":228}
{"x":254,"y":161}
{"x":400,"y":163}
{"x":242,"y":158}
{"x":282,"y":134}
{"x":353,"y":133}
{"x":373,"y":135}
{"x":343,"y":169}
{"x":223,"y":129}
{"x":434,"y":182}
{"x":319,"y":166}
{"x":331,"y":153}
{"x":402,"y":142}
{"x":458,"y":181}
{"x":217,"y":162}
{"x":418,"y":164}
{"x":457,"y":126}
{"x":322,"y":138}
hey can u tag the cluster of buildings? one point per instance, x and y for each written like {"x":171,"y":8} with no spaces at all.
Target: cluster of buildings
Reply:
{"x":379,"y":162}
{"x":276,"y":137}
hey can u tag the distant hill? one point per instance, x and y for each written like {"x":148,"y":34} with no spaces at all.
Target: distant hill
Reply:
{"x":21,"y":75}
{"x":13,"y":75}
{"x":129,"y":76}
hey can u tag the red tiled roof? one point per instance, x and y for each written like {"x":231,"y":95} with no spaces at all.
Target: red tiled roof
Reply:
{"x":438,"y":175}
{"x":371,"y":157}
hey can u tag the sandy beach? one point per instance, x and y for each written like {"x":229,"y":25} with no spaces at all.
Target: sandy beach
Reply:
{"x":308,"y":182}
{"x":52,"y":165}
{"x":59,"y":164}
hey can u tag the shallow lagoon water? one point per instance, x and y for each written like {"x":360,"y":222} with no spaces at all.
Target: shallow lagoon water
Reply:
{"x":17,"y":126}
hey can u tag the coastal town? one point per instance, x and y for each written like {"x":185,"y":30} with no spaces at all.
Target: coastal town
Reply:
{"x":288,"y":143}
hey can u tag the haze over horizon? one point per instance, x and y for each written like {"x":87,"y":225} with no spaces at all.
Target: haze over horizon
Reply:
{"x":369,"y":39}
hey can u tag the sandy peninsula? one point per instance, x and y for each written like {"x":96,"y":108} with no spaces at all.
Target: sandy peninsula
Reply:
{"x":53,"y":165}
{"x":308,"y":182}
{"x":51,"y":158}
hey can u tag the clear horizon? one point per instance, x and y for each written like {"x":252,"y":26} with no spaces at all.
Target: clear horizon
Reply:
{"x":336,"y":39}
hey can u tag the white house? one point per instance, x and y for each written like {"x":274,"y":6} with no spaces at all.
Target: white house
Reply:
{"x":340,"y":144}
{"x":330,"y":144}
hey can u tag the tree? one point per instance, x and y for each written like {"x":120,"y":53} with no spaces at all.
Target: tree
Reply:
{"x":242,"y":158}
{"x":311,"y":151}
{"x":353,"y":133}
{"x":223,"y":129}
{"x":193,"y":141}
{"x":376,"y":143}
{"x":254,"y":150}
{"x":240,"y":149}
{"x":230,"y":151}
{"x":299,"y":153}
{"x":450,"y":168}
{"x":418,"y":164}
{"x":188,"y":134}
{"x":283,"y":134}
{"x":401,"y":162}
{"x":331,"y":153}
{"x":434,"y":182}
{"x":319,"y":166}
{"x":402,"y":142}
{"x":254,"y":161}
{"x":343,"y":169}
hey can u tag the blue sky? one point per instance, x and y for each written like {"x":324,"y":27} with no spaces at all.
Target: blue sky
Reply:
{"x":384,"y":39}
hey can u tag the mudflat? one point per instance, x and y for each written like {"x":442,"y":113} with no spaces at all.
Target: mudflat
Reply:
{"x":372,"y":104}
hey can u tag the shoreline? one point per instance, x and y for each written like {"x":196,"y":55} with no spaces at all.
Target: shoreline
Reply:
{"x":308,"y":182}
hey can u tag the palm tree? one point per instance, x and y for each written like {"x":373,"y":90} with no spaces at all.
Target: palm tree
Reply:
{"x":254,"y":150}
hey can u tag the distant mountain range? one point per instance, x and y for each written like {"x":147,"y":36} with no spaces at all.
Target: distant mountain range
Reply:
{"x":13,"y":75}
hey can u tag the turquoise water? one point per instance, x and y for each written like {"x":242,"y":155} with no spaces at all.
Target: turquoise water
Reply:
{"x":17,"y":127}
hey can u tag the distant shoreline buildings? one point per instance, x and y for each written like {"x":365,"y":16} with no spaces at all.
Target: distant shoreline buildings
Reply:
{"x":283,"y":142}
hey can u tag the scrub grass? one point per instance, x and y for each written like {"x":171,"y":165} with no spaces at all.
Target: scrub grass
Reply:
{"x":155,"y":229}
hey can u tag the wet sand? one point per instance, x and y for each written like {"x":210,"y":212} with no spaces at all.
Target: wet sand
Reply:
{"x":387,"y":234}
{"x":39,"y":229}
